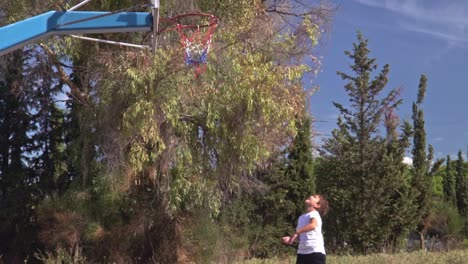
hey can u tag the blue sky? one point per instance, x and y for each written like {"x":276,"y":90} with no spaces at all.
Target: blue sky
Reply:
{"x":413,"y":37}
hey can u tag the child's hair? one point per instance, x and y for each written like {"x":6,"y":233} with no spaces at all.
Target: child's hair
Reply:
{"x":324,"y":207}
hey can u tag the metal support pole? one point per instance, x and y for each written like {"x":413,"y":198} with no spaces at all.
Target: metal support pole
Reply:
{"x":112,"y":42}
{"x":79,"y":5}
{"x":155,"y":13}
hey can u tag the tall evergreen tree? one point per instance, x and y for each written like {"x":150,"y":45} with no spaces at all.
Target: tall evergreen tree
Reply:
{"x":420,"y":181}
{"x":461,"y":186}
{"x":422,"y":170}
{"x":30,"y":123}
{"x":299,"y":169}
{"x":288,"y":181}
{"x":49,"y":165}
{"x":364,"y":170}
{"x":278,"y":199}
{"x":449,"y":182}
{"x":16,"y":180}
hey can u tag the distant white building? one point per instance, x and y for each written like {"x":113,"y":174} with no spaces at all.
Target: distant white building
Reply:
{"x":408,"y":161}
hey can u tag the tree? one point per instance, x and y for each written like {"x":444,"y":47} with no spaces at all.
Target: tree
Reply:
{"x":363,"y":171}
{"x":16,"y":179}
{"x":299,"y":168}
{"x":449,"y":182}
{"x":173,"y":145}
{"x":422,"y":170}
{"x":141,"y":143}
{"x":461,"y":186}
{"x":271,"y":209}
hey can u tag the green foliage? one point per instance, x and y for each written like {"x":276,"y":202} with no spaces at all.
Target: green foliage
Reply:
{"x":461,"y":185}
{"x":211,"y":241}
{"x":299,"y":168}
{"x":437,"y":185}
{"x":202,"y":237}
{"x":262,"y":217}
{"x":449,"y":182}
{"x":217,"y":127}
{"x":81,"y":217}
{"x":18,"y":191}
{"x":271,"y":212}
{"x":446,"y":225}
{"x":361,"y":171}
{"x":421,"y":179}
{"x":142,"y":141}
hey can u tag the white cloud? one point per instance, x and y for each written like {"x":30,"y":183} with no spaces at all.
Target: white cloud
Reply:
{"x":446,"y":20}
{"x":408,"y":161}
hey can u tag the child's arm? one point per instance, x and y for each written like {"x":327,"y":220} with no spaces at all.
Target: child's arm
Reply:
{"x":311,"y":226}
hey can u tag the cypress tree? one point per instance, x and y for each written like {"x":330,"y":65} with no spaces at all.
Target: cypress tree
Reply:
{"x":449,"y":182}
{"x":422,"y":170}
{"x":421,"y":183}
{"x":461,"y":186}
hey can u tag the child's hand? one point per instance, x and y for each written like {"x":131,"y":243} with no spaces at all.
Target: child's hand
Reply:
{"x":291,"y":239}
{"x":285,"y":239}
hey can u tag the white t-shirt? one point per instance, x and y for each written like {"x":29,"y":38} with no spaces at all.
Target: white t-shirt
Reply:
{"x":312,"y":241}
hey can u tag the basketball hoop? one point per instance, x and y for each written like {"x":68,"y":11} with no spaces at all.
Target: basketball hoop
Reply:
{"x":195,"y":38}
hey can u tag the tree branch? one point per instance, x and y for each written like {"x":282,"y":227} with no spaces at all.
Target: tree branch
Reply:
{"x":75,"y":93}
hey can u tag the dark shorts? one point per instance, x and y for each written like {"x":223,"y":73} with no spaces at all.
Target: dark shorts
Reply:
{"x":313,"y":258}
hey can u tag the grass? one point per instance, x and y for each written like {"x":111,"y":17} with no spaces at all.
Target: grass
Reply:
{"x":450,"y":257}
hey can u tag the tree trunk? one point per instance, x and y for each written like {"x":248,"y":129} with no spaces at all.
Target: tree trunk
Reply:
{"x":422,"y":241}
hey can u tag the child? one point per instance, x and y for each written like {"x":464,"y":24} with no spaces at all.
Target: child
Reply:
{"x":311,"y":249}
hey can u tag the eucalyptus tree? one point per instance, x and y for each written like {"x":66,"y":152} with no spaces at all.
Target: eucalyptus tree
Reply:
{"x":152,"y":143}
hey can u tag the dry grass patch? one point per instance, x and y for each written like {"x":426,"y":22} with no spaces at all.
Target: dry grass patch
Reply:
{"x":451,"y":257}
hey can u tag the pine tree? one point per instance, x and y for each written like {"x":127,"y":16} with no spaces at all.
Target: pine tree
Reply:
{"x":361,"y":170}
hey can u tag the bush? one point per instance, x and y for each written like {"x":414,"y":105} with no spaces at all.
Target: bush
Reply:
{"x":445,"y":227}
{"x":208,"y":240}
{"x":61,"y":256}
{"x":255,"y":227}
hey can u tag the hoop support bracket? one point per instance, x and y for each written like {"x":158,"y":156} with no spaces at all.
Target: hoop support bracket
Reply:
{"x":155,"y":13}
{"x":79,"y":5}
{"x":112,"y":42}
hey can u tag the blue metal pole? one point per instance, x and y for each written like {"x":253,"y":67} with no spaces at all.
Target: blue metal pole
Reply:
{"x":21,"y":33}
